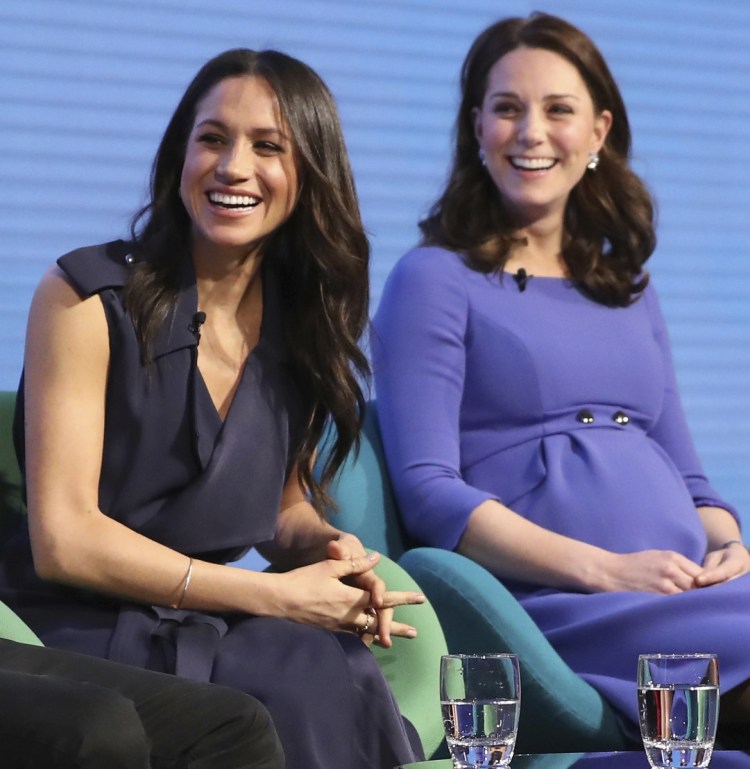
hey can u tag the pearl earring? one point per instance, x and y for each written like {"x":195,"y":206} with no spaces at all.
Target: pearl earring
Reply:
{"x":593,"y":163}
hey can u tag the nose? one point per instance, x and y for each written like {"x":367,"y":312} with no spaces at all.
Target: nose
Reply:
{"x":531,"y":128}
{"x":235,"y":163}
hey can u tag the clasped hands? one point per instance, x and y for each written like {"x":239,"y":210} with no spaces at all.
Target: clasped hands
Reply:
{"x":667,"y":572}
{"x":343,"y":593}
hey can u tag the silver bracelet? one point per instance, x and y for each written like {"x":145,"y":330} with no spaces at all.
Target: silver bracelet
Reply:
{"x":189,"y":574}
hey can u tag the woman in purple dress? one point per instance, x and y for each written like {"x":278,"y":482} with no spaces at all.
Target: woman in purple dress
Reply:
{"x":526,"y":392}
{"x":176,"y":387}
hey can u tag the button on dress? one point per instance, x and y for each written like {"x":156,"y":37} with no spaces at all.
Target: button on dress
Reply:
{"x":566,"y":411}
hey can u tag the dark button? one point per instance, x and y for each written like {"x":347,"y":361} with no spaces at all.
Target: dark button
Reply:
{"x":129,"y":259}
{"x":585,"y":417}
{"x":620,"y":417}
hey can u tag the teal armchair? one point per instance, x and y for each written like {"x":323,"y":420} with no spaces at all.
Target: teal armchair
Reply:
{"x":560,"y":712}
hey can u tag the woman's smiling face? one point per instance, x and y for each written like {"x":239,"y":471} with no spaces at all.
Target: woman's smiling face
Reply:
{"x":239,"y":180}
{"x":537,"y":126}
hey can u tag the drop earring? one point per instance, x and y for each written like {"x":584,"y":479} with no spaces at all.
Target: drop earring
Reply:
{"x":482,"y":156}
{"x":593,"y":163}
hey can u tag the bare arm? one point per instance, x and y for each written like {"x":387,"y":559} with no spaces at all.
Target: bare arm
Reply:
{"x":302,"y":537}
{"x":67,"y":357}
{"x":73,"y":542}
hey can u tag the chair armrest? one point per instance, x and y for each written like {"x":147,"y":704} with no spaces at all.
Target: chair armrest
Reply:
{"x":13,"y":628}
{"x":479,"y":615}
{"x":412,"y":666}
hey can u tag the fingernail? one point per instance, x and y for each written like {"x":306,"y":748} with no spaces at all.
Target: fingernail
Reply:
{"x":411,"y":633}
{"x":372,"y":557}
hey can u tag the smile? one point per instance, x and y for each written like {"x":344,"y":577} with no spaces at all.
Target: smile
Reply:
{"x":233,"y":202}
{"x":532,"y":164}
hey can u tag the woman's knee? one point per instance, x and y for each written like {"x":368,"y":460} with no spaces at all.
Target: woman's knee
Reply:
{"x":107,"y":731}
{"x":238,"y":731}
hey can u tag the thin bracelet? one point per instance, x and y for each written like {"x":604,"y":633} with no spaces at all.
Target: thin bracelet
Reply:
{"x":731,"y":542}
{"x":189,"y":574}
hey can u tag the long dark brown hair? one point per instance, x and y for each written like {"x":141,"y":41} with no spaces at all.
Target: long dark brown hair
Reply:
{"x":321,"y":252}
{"x":609,"y":219}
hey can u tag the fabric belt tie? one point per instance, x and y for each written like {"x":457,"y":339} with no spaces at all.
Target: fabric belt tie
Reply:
{"x":193,"y":636}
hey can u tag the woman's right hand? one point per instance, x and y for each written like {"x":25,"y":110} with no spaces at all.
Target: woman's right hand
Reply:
{"x":316,"y":595}
{"x":653,"y":571}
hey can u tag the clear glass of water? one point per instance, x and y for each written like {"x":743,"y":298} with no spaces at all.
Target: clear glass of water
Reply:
{"x":480,"y":696}
{"x":678,"y":707}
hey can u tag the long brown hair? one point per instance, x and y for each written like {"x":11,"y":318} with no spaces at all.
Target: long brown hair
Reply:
{"x":321,"y":252}
{"x":609,"y":219}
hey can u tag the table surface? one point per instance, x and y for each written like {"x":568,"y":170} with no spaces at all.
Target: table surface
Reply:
{"x":635,"y":759}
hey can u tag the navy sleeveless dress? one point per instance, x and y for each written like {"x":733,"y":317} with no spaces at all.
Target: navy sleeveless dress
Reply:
{"x":173,"y":471}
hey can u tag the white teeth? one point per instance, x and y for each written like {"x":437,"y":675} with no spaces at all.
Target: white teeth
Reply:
{"x":235,"y":201}
{"x":533,"y":164}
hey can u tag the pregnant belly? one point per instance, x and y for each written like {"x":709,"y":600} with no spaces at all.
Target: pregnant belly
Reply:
{"x":611,"y":488}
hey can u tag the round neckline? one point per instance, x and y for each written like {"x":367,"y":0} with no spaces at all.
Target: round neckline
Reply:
{"x":530,"y":275}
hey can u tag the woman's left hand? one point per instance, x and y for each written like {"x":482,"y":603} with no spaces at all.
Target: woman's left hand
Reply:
{"x":382,"y":602}
{"x":724,"y":564}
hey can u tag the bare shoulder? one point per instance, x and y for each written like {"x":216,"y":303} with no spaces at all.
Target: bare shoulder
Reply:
{"x":55,"y":288}
{"x":56,"y":294}
{"x":64,"y":325}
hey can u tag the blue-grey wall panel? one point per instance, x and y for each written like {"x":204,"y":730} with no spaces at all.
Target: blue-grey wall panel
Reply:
{"x":86,"y":87}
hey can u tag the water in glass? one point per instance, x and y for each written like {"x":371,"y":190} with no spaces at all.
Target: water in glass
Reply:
{"x":678,"y":723}
{"x":481,"y":733}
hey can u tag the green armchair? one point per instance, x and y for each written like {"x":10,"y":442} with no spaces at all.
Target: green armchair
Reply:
{"x":560,"y":712}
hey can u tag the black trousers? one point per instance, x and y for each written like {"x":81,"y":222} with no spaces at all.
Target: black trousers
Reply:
{"x":60,"y":710}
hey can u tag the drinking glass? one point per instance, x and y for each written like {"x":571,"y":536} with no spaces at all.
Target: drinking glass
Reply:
{"x":480,"y":696}
{"x":678,"y":706}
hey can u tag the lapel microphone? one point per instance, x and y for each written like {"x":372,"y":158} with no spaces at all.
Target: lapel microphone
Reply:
{"x":198,"y":320}
{"x":522,"y":278}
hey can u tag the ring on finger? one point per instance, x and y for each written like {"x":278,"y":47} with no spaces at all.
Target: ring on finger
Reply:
{"x":370,"y":615}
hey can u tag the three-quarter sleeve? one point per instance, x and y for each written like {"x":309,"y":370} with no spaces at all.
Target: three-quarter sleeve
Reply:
{"x":419,"y":360}
{"x":671,"y":430}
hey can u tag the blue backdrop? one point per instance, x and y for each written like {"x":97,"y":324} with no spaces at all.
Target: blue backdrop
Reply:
{"x":86,"y":87}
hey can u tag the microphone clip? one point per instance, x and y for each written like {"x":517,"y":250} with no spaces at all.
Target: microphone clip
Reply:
{"x":195,"y":326}
{"x":522,"y":278}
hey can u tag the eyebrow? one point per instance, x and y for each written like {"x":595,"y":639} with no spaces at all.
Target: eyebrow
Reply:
{"x":549,"y":97}
{"x":224,"y":127}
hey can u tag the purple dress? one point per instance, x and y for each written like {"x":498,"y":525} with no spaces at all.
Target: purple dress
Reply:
{"x":174,"y":472}
{"x":566,"y":411}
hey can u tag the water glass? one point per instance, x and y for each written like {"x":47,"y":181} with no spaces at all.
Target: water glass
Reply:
{"x":480,"y":696}
{"x":678,"y":706}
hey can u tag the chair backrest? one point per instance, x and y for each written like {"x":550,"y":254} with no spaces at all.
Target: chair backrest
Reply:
{"x":11,"y":506}
{"x":367,"y":506}
{"x":11,"y":498}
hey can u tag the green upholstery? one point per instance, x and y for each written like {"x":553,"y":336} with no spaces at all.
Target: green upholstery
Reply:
{"x":560,"y":712}
{"x":11,"y":625}
{"x":13,"y":628}
{"x":411,"y":666}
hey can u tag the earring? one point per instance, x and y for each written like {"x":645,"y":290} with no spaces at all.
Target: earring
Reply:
{"x":482,"y":156}
{"x":593,"y":163}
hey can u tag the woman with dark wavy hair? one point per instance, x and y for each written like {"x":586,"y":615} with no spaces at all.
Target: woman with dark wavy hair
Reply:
{"x":175,"y":388}
{"x":526,"y":392}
